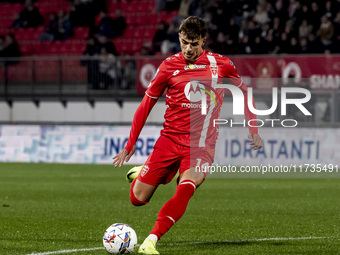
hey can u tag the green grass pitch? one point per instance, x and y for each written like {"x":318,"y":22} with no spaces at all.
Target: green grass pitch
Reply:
{"x":54,"y":207}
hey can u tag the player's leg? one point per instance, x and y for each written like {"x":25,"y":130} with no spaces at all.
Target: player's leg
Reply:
{"x":141,"y":193}
{"x":174,"y":209}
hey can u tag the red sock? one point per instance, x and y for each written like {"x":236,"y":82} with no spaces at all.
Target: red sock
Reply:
{"x":173,"y":210}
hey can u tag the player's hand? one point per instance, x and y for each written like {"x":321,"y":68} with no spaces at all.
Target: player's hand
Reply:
{"x":122,"y":156}
{"x":256,"y":141}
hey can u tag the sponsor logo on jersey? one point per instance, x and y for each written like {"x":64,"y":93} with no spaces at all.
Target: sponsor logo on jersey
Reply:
{"x":193,"y":92}
{"x":197,"y":92}
{"x":175,"y":73}
{"x":193,"y":66}
{"x":145,"y":170}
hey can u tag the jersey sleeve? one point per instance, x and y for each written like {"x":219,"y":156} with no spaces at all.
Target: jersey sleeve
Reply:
{"x":230,"y":72}
{"x":139,"y":120}
{"x":159,"y":83}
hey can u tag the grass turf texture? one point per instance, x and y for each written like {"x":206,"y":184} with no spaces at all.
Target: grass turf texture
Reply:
{"x":50,"y":207}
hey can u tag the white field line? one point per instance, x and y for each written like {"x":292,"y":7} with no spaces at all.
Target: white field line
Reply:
{"x":188,"y":243}
{"x":66,"y":251}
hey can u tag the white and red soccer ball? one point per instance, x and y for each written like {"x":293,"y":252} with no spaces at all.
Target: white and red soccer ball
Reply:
{"x":119,"y":238}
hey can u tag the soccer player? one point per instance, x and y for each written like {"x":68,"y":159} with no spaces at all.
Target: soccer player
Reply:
{"x":185,"y":142}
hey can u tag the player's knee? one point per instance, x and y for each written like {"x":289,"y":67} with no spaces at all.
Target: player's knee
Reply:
{"x":135,"y":201}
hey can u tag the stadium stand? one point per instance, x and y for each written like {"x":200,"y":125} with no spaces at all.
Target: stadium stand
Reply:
{"x":138,"y":14}
{"x":278,"y":22}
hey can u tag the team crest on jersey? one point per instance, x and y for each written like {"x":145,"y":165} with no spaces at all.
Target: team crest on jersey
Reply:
{"x":145,"y":170}
{"x":214,"y":69}
{"x":193,"y":66}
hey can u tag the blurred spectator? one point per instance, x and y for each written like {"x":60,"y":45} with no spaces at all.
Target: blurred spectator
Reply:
{"x":270,"y":44}
{"x":283,"y":44}
{"x":292,"y":8}
{"x":160,"y":5}
{"x":337,"y":31}
{"x":232,"y":30}
{"x":102,"y":64}
{"x":28,"y":17}
{"x":289,"y":30}
{"x":245,"y":47}
{"x":65,"y":28}
{"x":293,"y":47}
{"x":51,"y":29}
{"x":306,"y":13}
{"x":145,"y":51}
{"x":119,"y":23}
{"x":160,"y":36}
{"x":129,"y":72}
{"x":259,"y":46}
{"x":297,"y":15}
{"x":171,"y":44}
{"x":219,"y":45}
{"x":92,"y":47}
{"x":277,"y":28}
{"x":75,"y":14}
{"x":183,"y":11}
{"x":325,"y":31}
{"x":104,"y":42}
{"x":2,"y":42}
{"x":261,"y":16}
{"x":83,"y":13}
{"x":200,"y":7}
{"x":168,"y":5}
{"x":106,"y":25}
{"x":316,"y":14}
{"x":91,"y":63}
{"x":304,"y":45}
{"x":330,"y":11}
{"x":314,"y":44}
{"x":252,"y":30}
{"x":279,"y":11}
{"x":305,"y":29}
{"x":11,"y":49}
{"x":112,"y":27}
{"x":107,"y":69}
{"x":219,"y":19}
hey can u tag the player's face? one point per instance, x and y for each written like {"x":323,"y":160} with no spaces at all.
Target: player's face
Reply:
{"x":191,"y":49}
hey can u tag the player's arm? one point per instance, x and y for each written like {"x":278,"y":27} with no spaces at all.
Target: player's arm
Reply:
{"x":254,"y":137}
{"x":138,"y":122}
{"x":154,"y":91}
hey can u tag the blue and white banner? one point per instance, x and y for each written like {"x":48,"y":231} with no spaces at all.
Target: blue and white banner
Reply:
{"x":71,"y":144}
{"x":280,"y":146}
{"x":98,"y":144}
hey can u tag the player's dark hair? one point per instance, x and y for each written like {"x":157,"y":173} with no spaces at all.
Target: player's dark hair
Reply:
{"x":193,"y":28}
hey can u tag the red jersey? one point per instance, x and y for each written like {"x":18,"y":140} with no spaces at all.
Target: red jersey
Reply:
{"x":184,"y":123}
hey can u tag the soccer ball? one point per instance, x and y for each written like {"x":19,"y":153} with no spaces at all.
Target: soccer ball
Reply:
{"x":119,"y":238}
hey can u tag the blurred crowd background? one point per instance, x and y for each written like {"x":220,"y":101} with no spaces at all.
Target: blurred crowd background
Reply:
{"x":149,"y":27}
